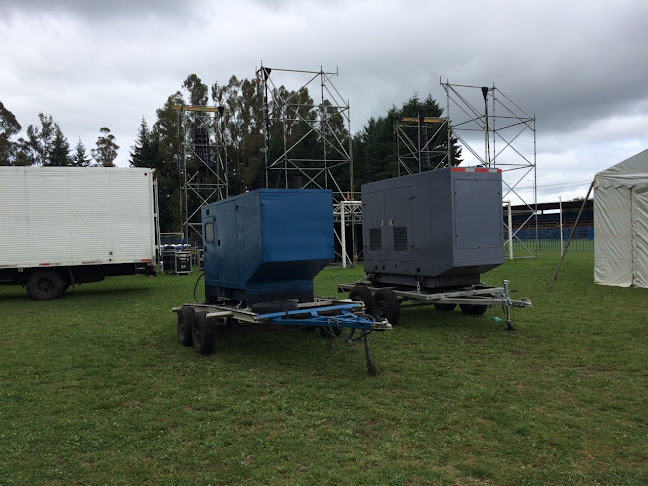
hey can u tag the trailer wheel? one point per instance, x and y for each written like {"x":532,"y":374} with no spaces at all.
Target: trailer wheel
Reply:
{"x":186,"y":318}
{"x":203,"y":334}
{"x":45,"y":285}
{"x":445,"y":307}
{"x":385,"y":305}
{"x":361,"y":293}
{"x":473,"y":309}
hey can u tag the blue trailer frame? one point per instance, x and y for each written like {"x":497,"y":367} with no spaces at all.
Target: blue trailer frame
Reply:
{"x":197,"y":322}
{"x":262,"y":250}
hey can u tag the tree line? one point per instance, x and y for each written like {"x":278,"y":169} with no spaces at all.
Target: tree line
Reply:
{"x":45,"y":145}
{"x":244,"y":127}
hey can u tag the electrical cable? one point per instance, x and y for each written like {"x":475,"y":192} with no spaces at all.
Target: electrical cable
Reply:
{"x":196,"y":286}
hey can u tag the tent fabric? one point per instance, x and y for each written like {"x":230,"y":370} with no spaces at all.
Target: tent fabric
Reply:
{"x":632,"y":172}
{"x":640,"y":241}
{"x":621,"y":223}
{"x":613,"y":237}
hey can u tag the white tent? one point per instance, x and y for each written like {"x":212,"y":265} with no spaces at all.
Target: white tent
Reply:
{"x":621,"y":223}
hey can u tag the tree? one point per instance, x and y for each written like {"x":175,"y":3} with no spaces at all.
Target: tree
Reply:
{"x":60,"y":151}
{"x":196,"y":89}
{"x":9,"y":127}
{"x":80,"y":158}
{"x":167,"y":149}
{"x":242,"y":120}
{"x":374,"y":153}
{"x":37,"y":148}
{"x":373,"y":150}
{"x":144,"y":151}
{"x":106,"y":151}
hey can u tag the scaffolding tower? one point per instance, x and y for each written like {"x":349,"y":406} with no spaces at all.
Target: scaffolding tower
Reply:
{"x":422,"y":144}
{"x":483,"y":115}
{"x":203,"y":168}
{"x":308,"y":141}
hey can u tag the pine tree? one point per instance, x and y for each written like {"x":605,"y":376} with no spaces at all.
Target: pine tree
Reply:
{"x":374,"y":147}
{"x":60,"y":151}
{"x":144,"y":152}
{"x":166,"y":146}
{"x":80,"y":158}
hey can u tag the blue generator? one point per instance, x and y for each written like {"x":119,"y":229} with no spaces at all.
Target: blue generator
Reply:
{"x":267,"y":245}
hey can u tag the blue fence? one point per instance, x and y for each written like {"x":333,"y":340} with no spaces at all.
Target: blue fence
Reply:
{"x":549,"y":239}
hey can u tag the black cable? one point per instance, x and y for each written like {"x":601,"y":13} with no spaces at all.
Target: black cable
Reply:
{"x":196,"y":286}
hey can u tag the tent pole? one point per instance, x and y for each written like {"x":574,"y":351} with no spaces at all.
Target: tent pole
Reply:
{"x":570,"y":237}
{"x":562,"y":240}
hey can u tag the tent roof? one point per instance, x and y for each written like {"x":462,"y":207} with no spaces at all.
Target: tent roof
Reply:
{"x":629,"y":173}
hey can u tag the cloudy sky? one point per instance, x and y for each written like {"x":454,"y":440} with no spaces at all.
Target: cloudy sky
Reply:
{"x":581,"y":67}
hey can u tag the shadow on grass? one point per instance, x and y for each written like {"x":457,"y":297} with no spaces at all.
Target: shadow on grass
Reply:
{"x":82,"y":293}
{"x":421,"y":317}
{"x":295,"y":348}
{"x":288,"y":349}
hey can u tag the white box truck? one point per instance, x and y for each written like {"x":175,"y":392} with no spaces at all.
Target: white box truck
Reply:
{"x":62,"y":226}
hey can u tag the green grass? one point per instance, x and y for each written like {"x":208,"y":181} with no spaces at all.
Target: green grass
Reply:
{"x":95,"y":389}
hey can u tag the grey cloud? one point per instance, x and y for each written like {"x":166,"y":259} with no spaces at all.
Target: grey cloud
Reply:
{"x":96,"y":10}
{"x":579,"y":66}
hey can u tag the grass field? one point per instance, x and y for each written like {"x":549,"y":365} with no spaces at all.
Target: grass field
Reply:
{"x":95,"y":389}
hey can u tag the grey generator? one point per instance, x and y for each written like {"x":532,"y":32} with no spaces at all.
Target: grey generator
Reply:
{"x":439,"y":228}
{"x":428,"y":237}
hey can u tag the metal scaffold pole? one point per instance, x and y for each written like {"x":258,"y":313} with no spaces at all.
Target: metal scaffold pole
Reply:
{"x":204,"y":170}
{"x":315,"y":152}
{"x":508,"y":134}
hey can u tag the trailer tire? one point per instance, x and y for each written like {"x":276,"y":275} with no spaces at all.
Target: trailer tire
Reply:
{"x":361,"y":293}
{"x":203,"y":334}
{"x":45,"y":285}
{"x":445,"y":307}
{"x":186,"y":318}
{"x":473,"y":309}
{"x":385,"y":305}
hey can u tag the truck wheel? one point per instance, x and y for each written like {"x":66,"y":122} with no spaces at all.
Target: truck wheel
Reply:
{"x":445,"y":307}
{"x":202,"y":333}
{"x":473,"y":309}
{"x":361,"y":293}
{"x":45,"y":285}
{"x":385,"y":305}
{"x":186,"y":318}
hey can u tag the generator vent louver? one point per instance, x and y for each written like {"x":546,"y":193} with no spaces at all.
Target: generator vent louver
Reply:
{"x":400,"y":238}
{"x":375,"y":239}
